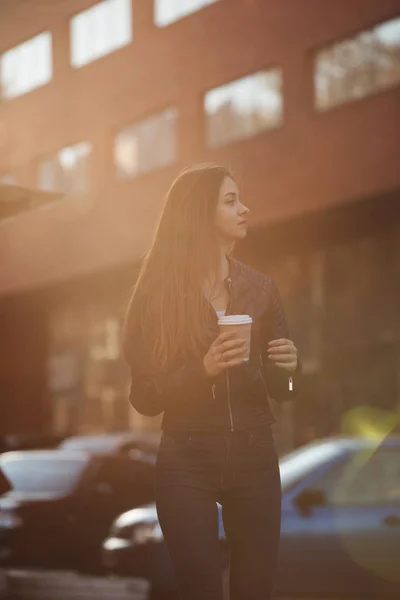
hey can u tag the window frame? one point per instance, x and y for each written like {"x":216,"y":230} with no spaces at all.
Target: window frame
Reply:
{"x":351,"y":34}
{"x":120,"y":178}
{"x":72,"y":20}
{"x":53,"y":156}
{"x":185,"y":15}
{"x":49,"y":45}
{"x":270,"y":130}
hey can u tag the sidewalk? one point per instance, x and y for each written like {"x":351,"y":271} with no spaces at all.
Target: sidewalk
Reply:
{"x":21,"y":584}
{"x":3,"y":584}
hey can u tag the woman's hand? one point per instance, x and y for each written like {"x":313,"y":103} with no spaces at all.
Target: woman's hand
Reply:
{"x":283,"y":353}
{"x":227,"y":350}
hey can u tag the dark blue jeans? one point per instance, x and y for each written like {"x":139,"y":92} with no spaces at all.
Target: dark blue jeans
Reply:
{"x":240,"y":471}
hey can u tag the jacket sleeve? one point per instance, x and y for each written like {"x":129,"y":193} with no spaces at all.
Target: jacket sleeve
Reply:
{"x":282,"y":385}
{"x":153,"y":390}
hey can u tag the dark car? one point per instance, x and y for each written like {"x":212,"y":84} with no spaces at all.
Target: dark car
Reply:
{"x":62,"y":504}
{"x":340,"y":525}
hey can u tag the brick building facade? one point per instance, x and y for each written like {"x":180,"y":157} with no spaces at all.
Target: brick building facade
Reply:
{"x":312,"y":136}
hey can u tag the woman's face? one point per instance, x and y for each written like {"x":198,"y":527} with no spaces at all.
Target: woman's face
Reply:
{"x":230,"y":214}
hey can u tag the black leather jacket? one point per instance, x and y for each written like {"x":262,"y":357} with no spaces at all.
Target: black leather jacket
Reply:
{"x":236,"y":399}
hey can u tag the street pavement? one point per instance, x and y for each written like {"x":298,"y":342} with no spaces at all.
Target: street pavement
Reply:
{"x":23,"y":584}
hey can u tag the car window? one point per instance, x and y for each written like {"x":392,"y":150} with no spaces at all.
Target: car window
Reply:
{"x":301,"y":462}
{"x":367,"y":477}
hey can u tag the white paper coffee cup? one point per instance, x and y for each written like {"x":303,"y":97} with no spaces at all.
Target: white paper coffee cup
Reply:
{"x":241,"y":324}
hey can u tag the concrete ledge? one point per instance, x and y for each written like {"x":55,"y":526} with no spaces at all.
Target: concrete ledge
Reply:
{"x":61,"y":585}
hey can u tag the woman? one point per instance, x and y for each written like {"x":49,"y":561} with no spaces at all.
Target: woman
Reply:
{"x":217,"y":444}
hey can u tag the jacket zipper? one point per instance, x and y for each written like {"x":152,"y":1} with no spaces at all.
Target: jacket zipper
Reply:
{"x":261,"y":375}
{"x":228,"y":387}
{"x":228,"y":391}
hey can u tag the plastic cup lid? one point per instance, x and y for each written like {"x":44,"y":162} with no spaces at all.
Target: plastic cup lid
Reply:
{"x":235,"y":320}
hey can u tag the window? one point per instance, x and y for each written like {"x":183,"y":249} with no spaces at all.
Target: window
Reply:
{"x":299,"y":463}
{"x":358,"y":67}
{"x":147,"y":145}
{"x":27,"y":66}
{"x":100,"y":30}
{"x":368,"y":477}
{"x":168,"y":11}
{"x":244,"y":107}
{"x":67,"y":171}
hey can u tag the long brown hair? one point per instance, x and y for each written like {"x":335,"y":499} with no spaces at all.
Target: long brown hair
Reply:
{"x":168,"y":301}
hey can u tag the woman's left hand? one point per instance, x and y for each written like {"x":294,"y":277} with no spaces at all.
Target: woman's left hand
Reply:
{"x":283,"y":353}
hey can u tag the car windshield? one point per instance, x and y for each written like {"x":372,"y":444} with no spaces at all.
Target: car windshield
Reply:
{"x":298,"y":464}
{"x":56,"y":475}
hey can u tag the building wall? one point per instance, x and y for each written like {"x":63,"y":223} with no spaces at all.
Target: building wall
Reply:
{"x":315,"y":161}
{"x":318,"y":189}
{"x":340,"y":294}
{"x":23,"y":350}
{"x":62,"y":369}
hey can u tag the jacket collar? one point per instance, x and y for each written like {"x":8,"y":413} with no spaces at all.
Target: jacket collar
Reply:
{"x":232,"y":280}
{"x":234,"y":268}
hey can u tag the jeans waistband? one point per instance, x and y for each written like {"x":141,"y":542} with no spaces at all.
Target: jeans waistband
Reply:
{"x":207,"y":434}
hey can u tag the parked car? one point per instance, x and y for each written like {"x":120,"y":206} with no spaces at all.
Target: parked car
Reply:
{"x":119,"y":442}
{"x":340,"y":525}
{"x":62,"y":504}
